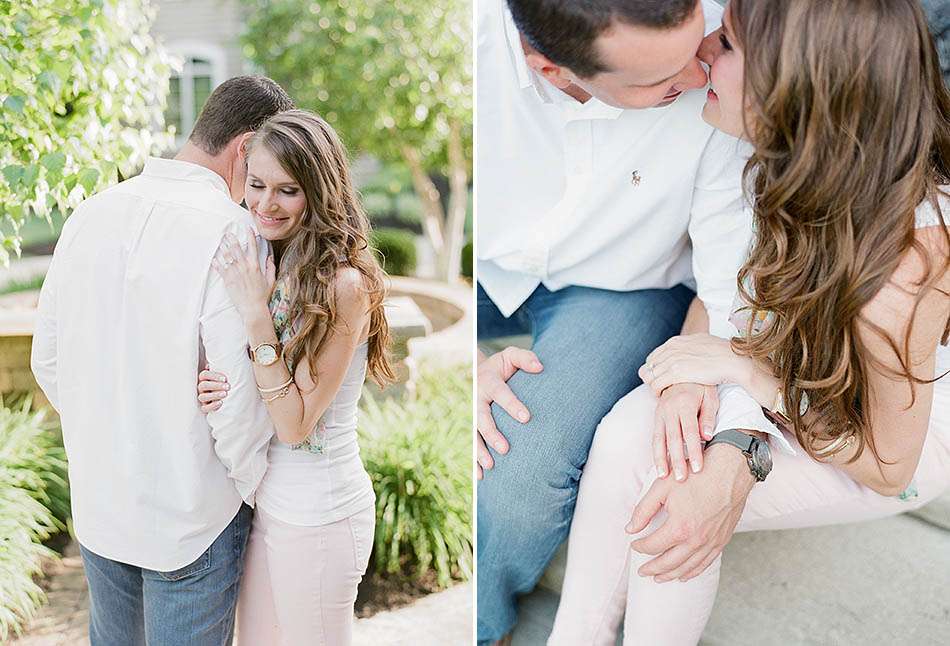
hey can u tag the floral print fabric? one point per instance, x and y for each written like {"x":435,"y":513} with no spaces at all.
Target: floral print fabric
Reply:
{"x":280,"y":311}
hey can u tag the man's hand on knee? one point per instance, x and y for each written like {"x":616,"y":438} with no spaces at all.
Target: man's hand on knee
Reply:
{"x":702,"y":514}
{"x":493,"y":375}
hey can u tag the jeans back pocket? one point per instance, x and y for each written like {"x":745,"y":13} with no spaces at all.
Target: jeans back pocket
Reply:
{"x":201,"y":564}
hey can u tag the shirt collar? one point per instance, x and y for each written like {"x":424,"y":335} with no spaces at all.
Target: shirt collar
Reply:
{"x":528,"y":78}
{"x":186,"y":171}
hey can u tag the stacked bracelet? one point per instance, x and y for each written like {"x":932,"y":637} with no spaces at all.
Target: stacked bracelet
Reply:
{"x":837,"y":446}
{"x":276,"y":391}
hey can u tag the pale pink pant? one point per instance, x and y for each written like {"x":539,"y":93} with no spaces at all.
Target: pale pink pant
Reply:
{"x":601,"y":585}
{"x":299,"y":583}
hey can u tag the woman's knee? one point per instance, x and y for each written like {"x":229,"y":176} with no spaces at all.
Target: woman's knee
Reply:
{"x":623,"y":439}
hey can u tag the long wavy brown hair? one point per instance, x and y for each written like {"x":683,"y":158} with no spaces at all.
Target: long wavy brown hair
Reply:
{"x":850,"y":121}
{"x":333,"y":234}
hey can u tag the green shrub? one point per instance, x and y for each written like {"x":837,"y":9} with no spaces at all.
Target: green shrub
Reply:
{"x":418,"y":452}
{"x":468,"y":259}
{"x":34,"y":505}
{"x":396,"y":250}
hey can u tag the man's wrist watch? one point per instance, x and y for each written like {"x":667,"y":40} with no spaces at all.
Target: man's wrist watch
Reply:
{"x":265,"y":354}
{"x":756,"y":451}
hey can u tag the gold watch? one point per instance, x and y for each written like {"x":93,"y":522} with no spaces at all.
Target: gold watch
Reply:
{"x":265,"y":354}
{"x":778,"y":412}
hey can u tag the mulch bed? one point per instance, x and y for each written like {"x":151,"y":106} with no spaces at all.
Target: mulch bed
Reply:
{"x":378,"y":593}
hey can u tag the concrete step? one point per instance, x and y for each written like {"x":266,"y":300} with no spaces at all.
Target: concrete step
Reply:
{"x":881,"y":582}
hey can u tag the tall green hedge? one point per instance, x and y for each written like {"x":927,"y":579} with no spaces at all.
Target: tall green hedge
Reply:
{"x":396,"y":250}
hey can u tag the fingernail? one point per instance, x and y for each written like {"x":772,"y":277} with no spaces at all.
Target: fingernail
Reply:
{"x":679,"y":475}
{"x":536,"y":365}
{"x":629,"y":528}
{"x":227,"y":386}
{"x":523,"y":416}
{"x":501,"y":448}
{"x":694,"y":466}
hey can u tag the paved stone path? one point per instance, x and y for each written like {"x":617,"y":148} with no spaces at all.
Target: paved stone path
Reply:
{"x":62,"y":621}
{"x":441,"y":619}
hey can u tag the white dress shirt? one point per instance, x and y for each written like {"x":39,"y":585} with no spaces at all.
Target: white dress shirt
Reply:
{"x":586,"y":194}
{"x":129,"y":312}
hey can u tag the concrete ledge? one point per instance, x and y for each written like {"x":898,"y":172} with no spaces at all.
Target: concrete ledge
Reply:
{"x":451,"y":310}
{"x":881,"y":582}
{"x":937,"y":513}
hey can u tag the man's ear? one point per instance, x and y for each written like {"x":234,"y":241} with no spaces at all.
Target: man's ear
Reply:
{"x":242,"y":145}
{"x":556,"y":75}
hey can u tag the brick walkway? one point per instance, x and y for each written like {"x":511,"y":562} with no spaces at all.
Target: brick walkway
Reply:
{"x":63,"y":621}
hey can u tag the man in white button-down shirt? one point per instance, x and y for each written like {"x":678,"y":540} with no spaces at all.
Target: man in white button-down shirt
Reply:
{"x":603,"y":200}
{"x":129,"y":312}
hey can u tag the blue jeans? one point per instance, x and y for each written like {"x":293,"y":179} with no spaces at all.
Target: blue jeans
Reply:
{"x":194,"y":605}
{"x":591,"y":343}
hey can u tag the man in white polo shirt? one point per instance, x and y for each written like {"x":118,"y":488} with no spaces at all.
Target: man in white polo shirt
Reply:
{"x":130,"y":311}
{"x":603,"y":201}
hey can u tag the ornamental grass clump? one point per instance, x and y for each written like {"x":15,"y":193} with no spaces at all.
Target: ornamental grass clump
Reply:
{"x":34,"y":505}
{"x":418,"y":452}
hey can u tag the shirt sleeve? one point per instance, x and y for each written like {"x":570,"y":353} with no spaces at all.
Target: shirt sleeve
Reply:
{"x":720,"y":230}
{"x":241,"y":428}
{"x":43,"y":353}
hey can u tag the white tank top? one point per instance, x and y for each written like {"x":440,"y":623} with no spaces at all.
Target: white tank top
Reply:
{"x":927,"y":216}
{"x":322,"y":480}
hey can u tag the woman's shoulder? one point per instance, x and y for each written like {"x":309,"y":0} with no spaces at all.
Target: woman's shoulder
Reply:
{"x":896,"y":303}
{"x":349,"y":282}
{"x":350,"y":287}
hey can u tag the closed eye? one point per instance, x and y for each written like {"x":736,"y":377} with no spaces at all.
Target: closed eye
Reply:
{"x":726,"y":45}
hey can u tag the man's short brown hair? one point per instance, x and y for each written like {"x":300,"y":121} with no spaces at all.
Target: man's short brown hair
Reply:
{"x":240,"y":104}
{"x":565,"y":30}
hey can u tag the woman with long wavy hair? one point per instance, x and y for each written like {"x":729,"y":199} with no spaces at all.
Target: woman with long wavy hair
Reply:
{"x":843,"y":311}
{"x":315,"y":325}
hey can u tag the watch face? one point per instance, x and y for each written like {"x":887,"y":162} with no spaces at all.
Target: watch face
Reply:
{"x":762,"y":459}
{"x":803,"y":406}
{"x":265,"y":355}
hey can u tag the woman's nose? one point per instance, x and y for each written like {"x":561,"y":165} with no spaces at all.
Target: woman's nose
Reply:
{"x":710,"y":48}
{"x":268,"y":203}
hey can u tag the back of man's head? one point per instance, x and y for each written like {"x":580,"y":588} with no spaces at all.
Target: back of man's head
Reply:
{"x":565,"y":30}
{"x":237,"y":106}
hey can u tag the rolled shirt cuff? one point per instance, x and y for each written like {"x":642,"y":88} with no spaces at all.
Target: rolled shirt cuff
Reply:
{"x":247,"y":488}
{"x":738,"y":410}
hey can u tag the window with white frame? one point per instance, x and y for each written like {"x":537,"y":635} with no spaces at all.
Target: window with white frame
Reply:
{"x":202,"y":70}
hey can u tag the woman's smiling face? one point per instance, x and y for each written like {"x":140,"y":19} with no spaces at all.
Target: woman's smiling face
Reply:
{"x":724,"y":107}
{"x":274,"y":198}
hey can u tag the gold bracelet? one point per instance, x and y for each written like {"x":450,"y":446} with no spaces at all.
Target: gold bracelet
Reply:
{"x":268,"y":391}
{"x":281,"y":393}
{"x":837,"y":446}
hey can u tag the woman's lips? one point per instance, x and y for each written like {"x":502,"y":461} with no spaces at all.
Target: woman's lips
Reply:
{"x":269,"y":220}
{"x":711,"y":95}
